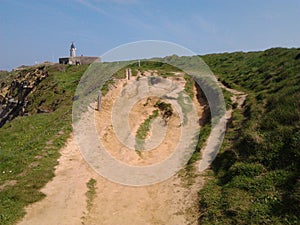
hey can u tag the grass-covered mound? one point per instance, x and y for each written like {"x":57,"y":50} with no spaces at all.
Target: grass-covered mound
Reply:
{"x":256,"y":176}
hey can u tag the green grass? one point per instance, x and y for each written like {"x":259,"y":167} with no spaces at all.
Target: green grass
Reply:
{"x":256,"y":175}
{"x":189,"y":171}
{"x":29,"y":146}
{"x":227,"y":97}
{"x":255,"y":178}
{"x":144,"y":130}
{"x":167,"y":74}
{"x":3,"y":75}
{"x":91,"y":193}
{"x":105,"y":87}
{"x":189,"y":85}
{"x":165,"y":109}
{"x":162,"y":69}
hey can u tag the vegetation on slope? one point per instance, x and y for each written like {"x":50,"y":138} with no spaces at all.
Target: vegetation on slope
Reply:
{"x":162,"y":69}
{"x":29,"y":145}
{"x":143,"y":130}
{"x":256,"y":176}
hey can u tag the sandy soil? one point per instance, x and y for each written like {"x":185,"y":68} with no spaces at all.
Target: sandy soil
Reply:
{"x":169,"y":202}
{"x":65,"y":201}
{"x":137,"y":116}
{"x":172,"y":202}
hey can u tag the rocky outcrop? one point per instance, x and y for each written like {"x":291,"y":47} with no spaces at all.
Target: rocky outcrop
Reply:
{"x":14,"y":94}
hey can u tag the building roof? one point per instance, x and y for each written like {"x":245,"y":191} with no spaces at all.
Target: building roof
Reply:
{"x":72,"y":45}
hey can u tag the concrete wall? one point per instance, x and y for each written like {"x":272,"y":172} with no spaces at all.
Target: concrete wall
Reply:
{"x":78,"y":60}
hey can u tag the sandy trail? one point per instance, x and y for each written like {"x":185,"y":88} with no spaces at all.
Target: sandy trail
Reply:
{"x":172,"y":202}
{"x":65,"y":201}
{"x":138,"y":114}
{"x":169,"y":202}
{"x":215,"y":139}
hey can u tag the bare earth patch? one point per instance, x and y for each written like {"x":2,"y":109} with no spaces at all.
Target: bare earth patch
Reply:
{"x":65,"y":201}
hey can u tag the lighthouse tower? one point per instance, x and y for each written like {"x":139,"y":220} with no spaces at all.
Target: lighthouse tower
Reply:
{"x":75,"y":60}
{"x":72,"y":50}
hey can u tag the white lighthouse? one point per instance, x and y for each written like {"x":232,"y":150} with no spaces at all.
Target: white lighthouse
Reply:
{"x":77,"y":60}
{"x":72,"y":50}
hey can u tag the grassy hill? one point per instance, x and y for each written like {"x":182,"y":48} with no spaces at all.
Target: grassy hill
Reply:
{"x":256,"y":176}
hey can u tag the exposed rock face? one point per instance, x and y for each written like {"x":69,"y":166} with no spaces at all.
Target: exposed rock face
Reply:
{"x":14,"y":94}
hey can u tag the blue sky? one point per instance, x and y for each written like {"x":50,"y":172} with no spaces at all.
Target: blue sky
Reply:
{"x":39,"y":30}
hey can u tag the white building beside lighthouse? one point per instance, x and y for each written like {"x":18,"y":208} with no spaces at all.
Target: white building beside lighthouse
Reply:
{"x":77,"y":60}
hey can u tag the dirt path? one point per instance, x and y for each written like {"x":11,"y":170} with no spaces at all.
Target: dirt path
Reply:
{"x":238,"y":97}
{"x":172,"y":202}
{"x":169,"y":202}
{"x":65,"y":201}
{"x":215,"y":139}
{"x":140,"y":111}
